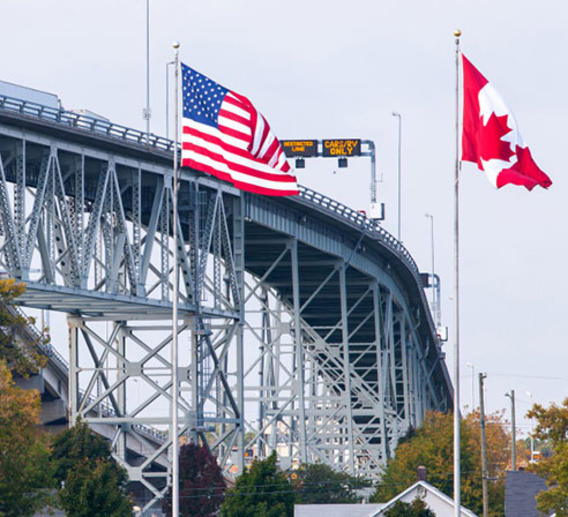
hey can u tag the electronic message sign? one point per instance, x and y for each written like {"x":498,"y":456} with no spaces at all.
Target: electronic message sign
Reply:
{"x":342,"y":147}
{"x":300,"y":148}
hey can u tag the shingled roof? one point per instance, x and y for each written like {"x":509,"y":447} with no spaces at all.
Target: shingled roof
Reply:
{"x":521,"y":489}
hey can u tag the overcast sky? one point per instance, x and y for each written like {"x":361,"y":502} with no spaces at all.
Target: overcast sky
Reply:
{"x":327,"y":69}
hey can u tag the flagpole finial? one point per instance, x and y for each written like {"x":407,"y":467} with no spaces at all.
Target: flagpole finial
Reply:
{"x":175,"y":44}
{"x":457,"y":33}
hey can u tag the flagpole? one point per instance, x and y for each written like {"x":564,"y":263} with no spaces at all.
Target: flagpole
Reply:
{"x":457,"y":473}
{"x":174,"y":354}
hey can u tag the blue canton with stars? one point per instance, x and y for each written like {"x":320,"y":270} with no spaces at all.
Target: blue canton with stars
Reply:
{"x":202,"y":97}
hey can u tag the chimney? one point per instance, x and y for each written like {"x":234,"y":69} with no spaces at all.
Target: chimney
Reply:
{"x":421,"y":473}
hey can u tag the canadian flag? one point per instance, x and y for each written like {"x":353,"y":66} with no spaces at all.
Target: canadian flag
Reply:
{"x":491,"y":136}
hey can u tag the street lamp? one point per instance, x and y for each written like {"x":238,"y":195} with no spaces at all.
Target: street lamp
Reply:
{"x":531,"y":430}
{"x":431,"y":217}
{"x":168,"y":64}
{"x":399,"y":116}
{"x":146,"y":112}
{"x":470,"y":365}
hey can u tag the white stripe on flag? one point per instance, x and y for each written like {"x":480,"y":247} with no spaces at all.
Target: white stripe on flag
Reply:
{"x":237,"y":176}
{"x":210,"y":130}
{"x":258,"y":130}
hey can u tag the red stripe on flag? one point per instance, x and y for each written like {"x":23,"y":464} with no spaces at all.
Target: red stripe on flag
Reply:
{"x":237,"y":167}
{"x":233,"y":116}
{"x":234,"y":133}
{"x":216,"y":140}
{"x":249,"y":187}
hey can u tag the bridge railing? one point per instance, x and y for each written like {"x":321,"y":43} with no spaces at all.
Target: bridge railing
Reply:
{"x":85,"y":122}
{"x":372,"y":228}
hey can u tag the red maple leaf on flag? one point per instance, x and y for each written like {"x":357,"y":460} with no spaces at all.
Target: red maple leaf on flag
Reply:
{"x":489,"y":144}
{"x":524,"y":172}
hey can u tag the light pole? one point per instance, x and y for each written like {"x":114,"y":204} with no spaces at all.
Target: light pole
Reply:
{"x":431,"y":217}
{"x":168,"y":64}
{"x":470,"y":365}
{"x":513,"y":429}
{"x":146,"y":113}
{"x":531,"y":430}
{"x":174,"y":351}
{"x":399,"y":116}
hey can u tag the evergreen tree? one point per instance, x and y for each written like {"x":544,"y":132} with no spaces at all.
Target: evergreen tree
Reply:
{"x":317,"y":483}
{"x":201,"y":483}
{"x":416,"y":508}
{"x":261,"y":491}
{"x":92,"y":483}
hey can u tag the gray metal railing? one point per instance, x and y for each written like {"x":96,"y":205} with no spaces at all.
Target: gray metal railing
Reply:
{"x":85,"y":122}
{"x":373,"y":229}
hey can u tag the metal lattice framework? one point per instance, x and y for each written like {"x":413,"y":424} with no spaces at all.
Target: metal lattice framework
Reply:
{"x":305,"y":327}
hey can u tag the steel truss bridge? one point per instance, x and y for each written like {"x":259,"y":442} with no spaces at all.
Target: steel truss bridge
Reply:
{"x":303,"y":327}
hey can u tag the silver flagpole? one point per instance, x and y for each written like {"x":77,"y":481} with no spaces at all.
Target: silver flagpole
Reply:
{"x":174,"y":358}
{"x":457,"y":474}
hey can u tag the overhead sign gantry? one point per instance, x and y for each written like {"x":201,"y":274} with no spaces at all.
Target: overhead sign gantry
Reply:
{"x":340,"y":148}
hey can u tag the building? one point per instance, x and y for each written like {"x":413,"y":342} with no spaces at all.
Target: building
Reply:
{"x":437,"y":501}
{"x":521,"y":489}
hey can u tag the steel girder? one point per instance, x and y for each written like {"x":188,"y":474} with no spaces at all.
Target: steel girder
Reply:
{"x":338,"y":377}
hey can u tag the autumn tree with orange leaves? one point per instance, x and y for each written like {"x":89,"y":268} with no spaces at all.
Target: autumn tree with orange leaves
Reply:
{"x":24,"y":456}
{"x":552,"y":427}
{"x":431,"y":445}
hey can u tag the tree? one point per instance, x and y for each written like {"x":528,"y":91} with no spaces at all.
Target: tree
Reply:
{"x":431,"y":445}
{"x":92,"y":483}
{"x":24,"y":471}
{"x":201,"y":483}
{"x":552,"y":427}
{"x":21,"y":357}
{"x":261,"y":491}
{"x":317,"y":483}
{"x":417,"y":508}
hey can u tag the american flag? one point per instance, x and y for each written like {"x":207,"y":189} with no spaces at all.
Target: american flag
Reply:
{"x":224,"y":135}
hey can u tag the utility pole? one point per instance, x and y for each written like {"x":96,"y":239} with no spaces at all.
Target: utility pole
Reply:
{"x":513,"y":433}
{"x":484,"y":475}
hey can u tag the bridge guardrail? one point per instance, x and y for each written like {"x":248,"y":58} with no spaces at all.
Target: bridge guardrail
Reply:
{"x":85,"y":122}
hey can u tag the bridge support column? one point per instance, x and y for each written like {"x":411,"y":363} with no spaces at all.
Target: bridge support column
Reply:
{"x":73,"y":386}
{"x":347,"y":392}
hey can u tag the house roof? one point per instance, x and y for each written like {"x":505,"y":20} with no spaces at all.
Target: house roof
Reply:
{"x":426,"y":486}
{"x":335,"y":510}
{"x":521,"y":488}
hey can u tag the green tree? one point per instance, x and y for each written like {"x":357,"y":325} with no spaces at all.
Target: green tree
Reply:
{"x":317,"y":483}
{"x":552,"y":428}
{"x":261,"y":491}
{"x":431,"y":445}
{"x":24,"y":471}
{"x":92,"y":483}
{"x":201,"y":483}
{"x":416,"y":508}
